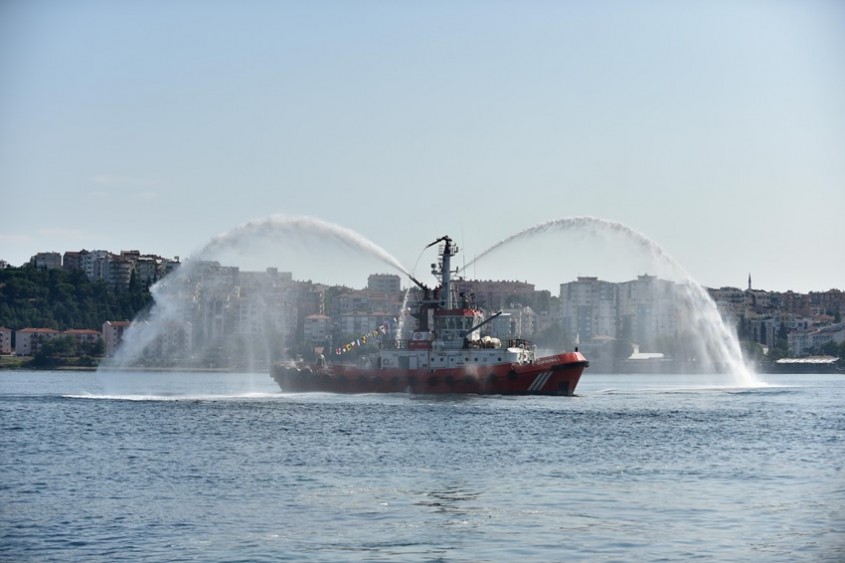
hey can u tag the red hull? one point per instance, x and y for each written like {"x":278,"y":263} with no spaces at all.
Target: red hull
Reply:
{"x":551,"y":375}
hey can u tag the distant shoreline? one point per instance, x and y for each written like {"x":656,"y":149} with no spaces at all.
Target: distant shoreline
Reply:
{"x":10,"y":366}
{"x":197,"y":370}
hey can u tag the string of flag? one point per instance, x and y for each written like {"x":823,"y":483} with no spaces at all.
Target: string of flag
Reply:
{"x":362,"y":340}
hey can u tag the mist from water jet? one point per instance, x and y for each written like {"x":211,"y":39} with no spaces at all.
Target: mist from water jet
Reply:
{"x":717,"y":345}
{"x":290,"y":230}
{"x":200,"y":292}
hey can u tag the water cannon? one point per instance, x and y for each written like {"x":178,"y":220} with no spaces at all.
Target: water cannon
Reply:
{"x":484,"y":322}
{"x":420,"y":284}
{"x":444,"y":238}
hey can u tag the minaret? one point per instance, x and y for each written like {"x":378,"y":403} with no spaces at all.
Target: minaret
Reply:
{"x":749,"y":281}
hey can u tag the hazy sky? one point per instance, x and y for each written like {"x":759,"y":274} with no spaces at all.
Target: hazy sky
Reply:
{"x":715,"y":128}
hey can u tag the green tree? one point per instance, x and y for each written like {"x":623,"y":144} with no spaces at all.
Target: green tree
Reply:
{"x":829,"y":348}
{"x":96,"y":348}
{"x":30,"y":297}
{"x":779,"y":350}
{"x":55,"y":351}
{"x":751,"y":350}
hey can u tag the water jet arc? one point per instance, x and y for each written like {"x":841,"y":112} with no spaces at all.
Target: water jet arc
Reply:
{"x":718,"y":345}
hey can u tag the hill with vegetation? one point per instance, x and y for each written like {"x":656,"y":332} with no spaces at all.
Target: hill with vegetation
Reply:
{"x":58,"y":299}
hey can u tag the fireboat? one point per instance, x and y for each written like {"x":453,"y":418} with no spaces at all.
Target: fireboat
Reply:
{"x":445,"y":354}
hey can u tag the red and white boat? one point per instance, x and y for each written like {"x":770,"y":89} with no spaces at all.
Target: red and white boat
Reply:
{"x":446,"y":354}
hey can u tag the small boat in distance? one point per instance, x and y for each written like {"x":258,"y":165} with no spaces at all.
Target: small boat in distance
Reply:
{"x":445,"y":354}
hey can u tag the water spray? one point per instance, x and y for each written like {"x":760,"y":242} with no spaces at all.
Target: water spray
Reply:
{"x":718,"y":345}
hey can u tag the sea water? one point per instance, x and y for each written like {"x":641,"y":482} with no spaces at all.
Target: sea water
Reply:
{"x":226,"y":467}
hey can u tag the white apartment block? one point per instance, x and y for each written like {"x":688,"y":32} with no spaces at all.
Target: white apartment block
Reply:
{"x":118,"y":272}
{"x":516,"y":322}
{"x":351,"y":302}
{"x":113,"y":335}
{"x":317,"y":328}
{"x":502,"y":327}
{"x":29,"y":340}
{"x":384,"y":283}
{"x":802,"y":343}
{"x":83,"y":336}
{"x":94,"y":263}
{"x":588,"y":308}
{"x":522,"y":322}
{"x":362,"y":323}
{"x":647,"y":310}
{"x":147,"y":270}
{"x":643,"y":311}
{"x":730,"y":301}
{"x":494,"y":295}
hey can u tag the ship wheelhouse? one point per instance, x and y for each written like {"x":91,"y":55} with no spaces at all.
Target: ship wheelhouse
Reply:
{"x":455,"y":326}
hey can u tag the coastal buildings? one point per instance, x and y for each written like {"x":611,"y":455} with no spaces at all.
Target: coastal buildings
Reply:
{"x":644,"y":310}
{"x":84,"y":337}
{"x":317,"y":329}
{"x":803,"y":343}
{"x":113,"y":335}
{"x":29,"y":340}
{"x":588,"y":308}
{"x":648,"y":310}
{"x":226,"y":309}
{"x":384,"y":283}
{"x":653,"y":314}
{"x":117,"y":270}
{"x":497,"y":294}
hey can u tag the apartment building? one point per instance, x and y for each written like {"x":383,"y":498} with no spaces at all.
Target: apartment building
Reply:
{"x":521,"y":321}
{"x":802,"y":343}
{"x":648,"y":310}
{"x":317,"y":329}
{"x":47,"y":260}
{"x":588,"y":308}
{"x":5,"y":340}
{"x":28,"y":341}
{"x":493,"y":295}
{"x":83,"y":337}
{"x":362,"y":323}
{"x":384,"y":283}
{"x":113,"y":335}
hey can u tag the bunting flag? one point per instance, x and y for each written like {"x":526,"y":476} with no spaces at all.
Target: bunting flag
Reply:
{"x":362,"y":340}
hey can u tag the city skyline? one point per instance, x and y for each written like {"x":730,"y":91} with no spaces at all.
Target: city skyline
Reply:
{"x":167,"y":264}
{"x":715,"y":129}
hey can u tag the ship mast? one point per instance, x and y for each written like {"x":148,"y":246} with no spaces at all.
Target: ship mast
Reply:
{"x":445,"y":272}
